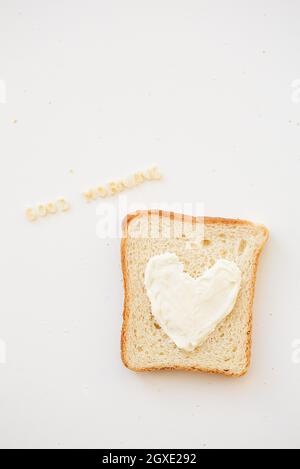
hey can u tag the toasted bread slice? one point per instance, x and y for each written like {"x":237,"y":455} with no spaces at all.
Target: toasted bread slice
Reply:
{"x":145,"y":347}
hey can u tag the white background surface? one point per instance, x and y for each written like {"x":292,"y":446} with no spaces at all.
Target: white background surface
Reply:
{"x":105,"y":88}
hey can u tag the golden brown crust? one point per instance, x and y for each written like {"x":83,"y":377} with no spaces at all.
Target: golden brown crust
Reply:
{"x":207,"y":220}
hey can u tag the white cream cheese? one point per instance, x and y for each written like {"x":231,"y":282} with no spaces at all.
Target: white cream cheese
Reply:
{"x":189,"y":309}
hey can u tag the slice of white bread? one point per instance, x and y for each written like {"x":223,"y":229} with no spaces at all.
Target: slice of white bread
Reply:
{"x":145,"y":347}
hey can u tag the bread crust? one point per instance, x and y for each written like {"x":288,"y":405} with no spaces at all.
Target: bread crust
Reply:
{"x":207,"y":220}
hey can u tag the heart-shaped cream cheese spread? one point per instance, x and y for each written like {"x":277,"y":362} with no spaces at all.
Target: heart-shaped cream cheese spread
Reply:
{"x":189,"y":309}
